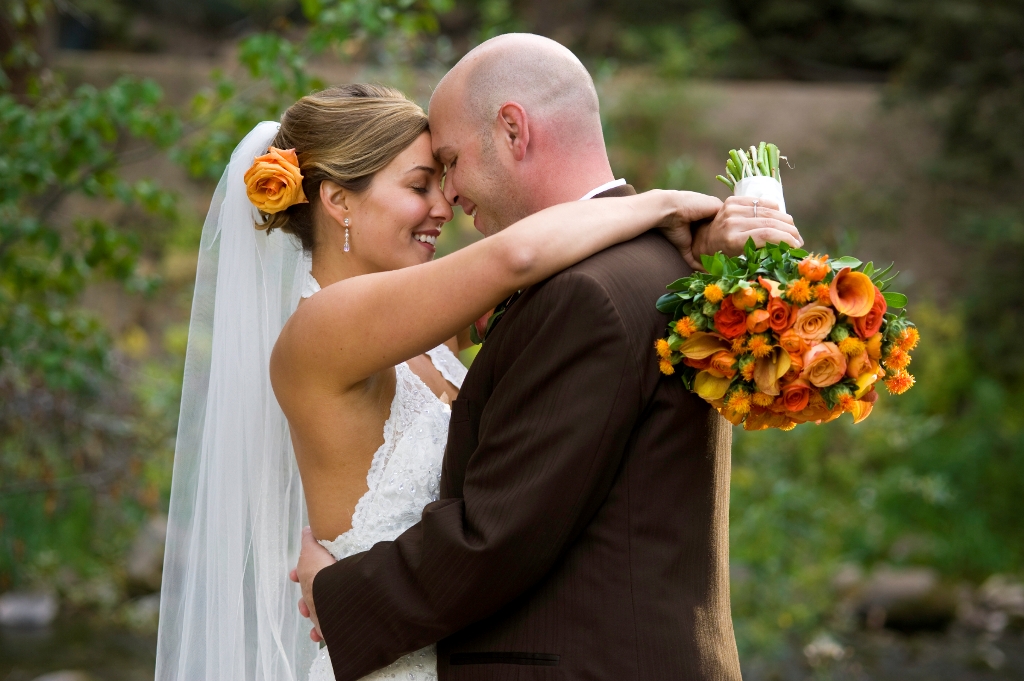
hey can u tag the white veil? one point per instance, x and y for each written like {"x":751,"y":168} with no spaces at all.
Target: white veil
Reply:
{"x":227,"y":609}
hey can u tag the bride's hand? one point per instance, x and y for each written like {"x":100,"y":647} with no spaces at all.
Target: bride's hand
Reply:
{"x":733,"y":224}
{"x":312,"y":559}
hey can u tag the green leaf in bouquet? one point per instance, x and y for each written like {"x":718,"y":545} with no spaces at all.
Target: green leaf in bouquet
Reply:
{"x":784,"y":247}
{"x":705,"y":261}
{"x":749,"y":248}
{"x":876,"y":276}
{"x":679,"y":284}
{"x":869,"y":268}
{"x":895,"y":300}
{"x":845,"y":261}
{"x":717,"y":265}
{"x":798,"y":253}
{"x":669,"y":303}
{"x":883,"y":284}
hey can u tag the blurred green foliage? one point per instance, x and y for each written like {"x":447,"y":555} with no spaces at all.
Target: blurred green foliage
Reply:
{"x":83,"y":431}
{"x":932,"y":478}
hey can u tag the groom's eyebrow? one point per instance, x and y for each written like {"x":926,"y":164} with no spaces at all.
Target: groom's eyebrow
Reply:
{"x":443,"y":153}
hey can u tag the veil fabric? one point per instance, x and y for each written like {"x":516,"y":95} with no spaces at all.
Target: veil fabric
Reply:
{"x":227,"y":609}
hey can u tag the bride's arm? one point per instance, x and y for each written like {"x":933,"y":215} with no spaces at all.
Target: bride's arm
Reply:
{"x":359,"y":326}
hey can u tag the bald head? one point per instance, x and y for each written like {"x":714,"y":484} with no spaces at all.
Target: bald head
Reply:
{"x":517,"y":126}
{"x":541,"y":75}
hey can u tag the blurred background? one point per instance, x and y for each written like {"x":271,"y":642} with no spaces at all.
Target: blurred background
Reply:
{"x":889,"y":550}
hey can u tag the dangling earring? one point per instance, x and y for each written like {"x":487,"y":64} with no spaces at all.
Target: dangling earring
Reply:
{"x":347,"y":248}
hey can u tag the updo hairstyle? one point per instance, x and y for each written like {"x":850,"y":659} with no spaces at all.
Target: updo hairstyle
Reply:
{"x":344,"y":134}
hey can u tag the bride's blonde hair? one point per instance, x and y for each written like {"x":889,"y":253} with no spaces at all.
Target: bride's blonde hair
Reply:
{"x":344,"y":134}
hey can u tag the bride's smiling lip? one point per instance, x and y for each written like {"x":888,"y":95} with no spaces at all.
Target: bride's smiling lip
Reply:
{"x":427,"y":238}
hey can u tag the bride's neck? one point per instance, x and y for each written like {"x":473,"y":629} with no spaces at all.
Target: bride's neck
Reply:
{"x":331,"y":264}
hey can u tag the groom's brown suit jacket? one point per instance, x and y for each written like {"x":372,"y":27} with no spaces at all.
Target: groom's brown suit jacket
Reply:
{"x":582,"y":530}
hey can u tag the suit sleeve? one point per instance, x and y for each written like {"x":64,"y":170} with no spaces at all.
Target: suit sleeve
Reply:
{"x":551,"y":440}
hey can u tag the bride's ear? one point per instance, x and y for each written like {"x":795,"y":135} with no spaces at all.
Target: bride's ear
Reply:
{"x":335,"y":200}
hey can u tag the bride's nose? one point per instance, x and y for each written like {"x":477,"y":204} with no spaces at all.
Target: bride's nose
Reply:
{"x":441,"y":210}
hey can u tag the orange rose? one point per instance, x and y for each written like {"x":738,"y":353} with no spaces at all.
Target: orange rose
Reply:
{"x":813,"y":268}
{"x":757,"y":321}
{"x":745,"y":298}
{"x":697,"y":363}
{"x":813,"y":323}
{"x":722,"y":365}
{"x":796,"y":395}
{"x":796,"y":365}
{"x":824,"y":364}
{"x":793,"y":343}
{"x":730,"y":321}
{"x":779,"y":314}
{"x":868,"y":325}
{"x":852,"y":293}
{"x":274,"y":182}
{"x":859,"y":364}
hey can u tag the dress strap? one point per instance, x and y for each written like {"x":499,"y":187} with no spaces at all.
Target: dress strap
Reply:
{"x":445,"y":361}
{"x":310,"y":286}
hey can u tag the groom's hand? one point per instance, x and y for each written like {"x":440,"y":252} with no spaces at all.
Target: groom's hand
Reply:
{"x":735,"y":223}
{"x":312,"y":559}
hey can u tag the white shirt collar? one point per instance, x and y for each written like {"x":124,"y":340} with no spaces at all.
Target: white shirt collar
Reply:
{"x":603,"y":188}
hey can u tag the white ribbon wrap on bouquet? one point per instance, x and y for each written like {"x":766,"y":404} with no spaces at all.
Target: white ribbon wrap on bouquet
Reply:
{"x":761,"y":187}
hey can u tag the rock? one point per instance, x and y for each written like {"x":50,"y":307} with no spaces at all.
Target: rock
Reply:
{"x":907,"y":599}
{"x":847,"y":579}
{"x":824,"y":649}
{"x":1003,"y":594}
{"x":146,"y":556}
{"x":995,"y":606}
{"x":27,"y":609}
{"x":65,"y":675}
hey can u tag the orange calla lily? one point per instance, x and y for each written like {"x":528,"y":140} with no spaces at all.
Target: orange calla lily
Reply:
{"x":702,"y":344}
{"x":852,"y":293}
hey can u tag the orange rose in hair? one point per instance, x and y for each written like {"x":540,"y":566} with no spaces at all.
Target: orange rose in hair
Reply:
{"x":730,"y":321}
{"x":852,"y":293}
{"x":780,"y":314}
{"x":796,"y":395}
{"x":813,"y":323}
{"x":824,"y":364}
{"x":868,"y":325}
{"x":274,"y":182}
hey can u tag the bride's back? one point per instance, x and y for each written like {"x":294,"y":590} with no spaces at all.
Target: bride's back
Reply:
{"x":370,"y":202}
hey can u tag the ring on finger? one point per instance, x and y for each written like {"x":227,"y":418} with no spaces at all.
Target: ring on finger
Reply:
{"x":755,"y":208}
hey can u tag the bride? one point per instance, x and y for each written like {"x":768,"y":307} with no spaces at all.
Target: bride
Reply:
{"x":322,"y":360}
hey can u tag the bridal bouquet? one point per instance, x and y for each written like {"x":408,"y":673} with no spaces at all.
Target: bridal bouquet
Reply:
{"x":776,"y":337}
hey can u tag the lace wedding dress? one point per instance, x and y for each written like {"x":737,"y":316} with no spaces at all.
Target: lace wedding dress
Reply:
{"x":404,"y":477}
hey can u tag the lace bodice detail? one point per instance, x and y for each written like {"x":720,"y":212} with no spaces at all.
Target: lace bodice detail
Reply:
{"x":405,"y":472}
{"x":404,"y":476}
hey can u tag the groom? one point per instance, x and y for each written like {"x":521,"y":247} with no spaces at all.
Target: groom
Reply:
{"x":582,"y":530}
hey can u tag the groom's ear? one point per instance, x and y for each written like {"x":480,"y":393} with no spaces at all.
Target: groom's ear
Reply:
{"x":514,"y":125}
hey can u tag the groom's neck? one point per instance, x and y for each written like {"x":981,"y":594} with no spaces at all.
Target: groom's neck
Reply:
{"x":569,"y":180}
